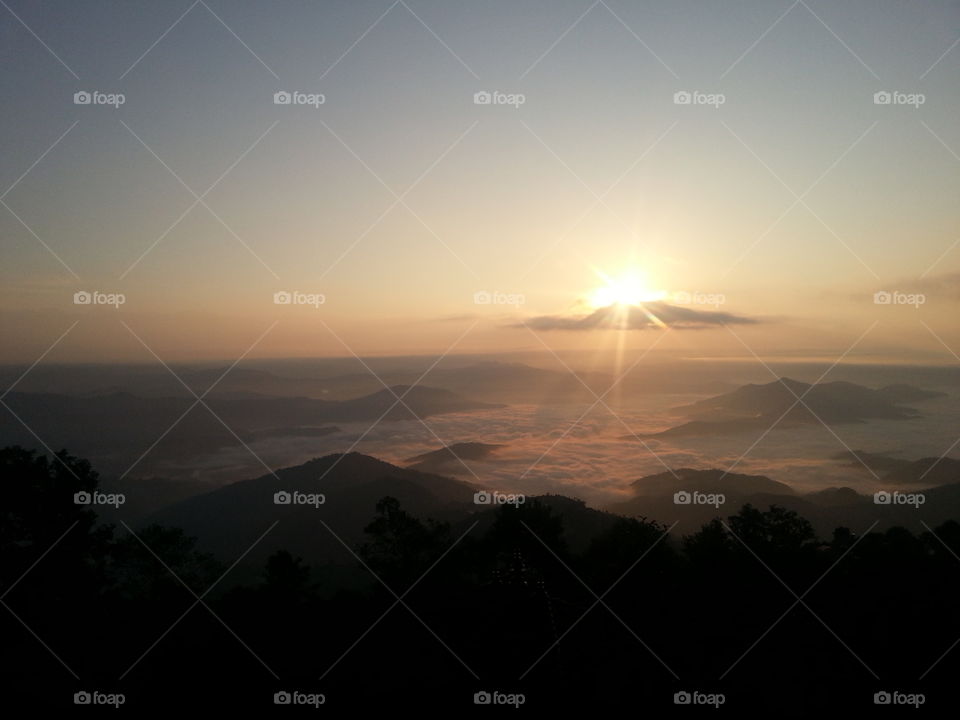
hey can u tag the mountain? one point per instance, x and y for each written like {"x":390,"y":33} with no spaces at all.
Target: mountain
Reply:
{"x":449,"y":459}
{"x":896,"y":472}
{"x":836,"y":497}
{"x":928,"y":471}
{"x":227,"y":521}
{"x":834,"y":401}
{"x":757,"y":407}
{"x":654,"y":496}
{"x":708,"y":481}
{"x":877,"y":462}
{"x":825,"y":509}
{"x":113,"y":430}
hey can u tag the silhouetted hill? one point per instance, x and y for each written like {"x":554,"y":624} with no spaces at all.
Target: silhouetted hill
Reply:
{"x":836,"y":497}
{"x":826,"y":509}
{"x":713,"y":480}
{"x":654,"y":495}
{"x":228,"y":520}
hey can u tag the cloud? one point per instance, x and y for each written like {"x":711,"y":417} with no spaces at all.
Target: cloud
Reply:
{"x":639,"y":317}
{"x":945,"y":286}
{"x":458,"y":318}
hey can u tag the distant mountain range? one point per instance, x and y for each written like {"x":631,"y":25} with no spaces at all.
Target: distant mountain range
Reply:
{"x":114,"y":429}
{"x":757,"y":407}
{"x":894,"y":471}
{"x":492,"y":380}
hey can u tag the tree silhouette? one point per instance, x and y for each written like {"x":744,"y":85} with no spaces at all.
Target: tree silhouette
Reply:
{"x":401,"y":546}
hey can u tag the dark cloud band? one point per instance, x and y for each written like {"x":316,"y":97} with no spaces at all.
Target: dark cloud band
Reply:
{"x":639,"y":317}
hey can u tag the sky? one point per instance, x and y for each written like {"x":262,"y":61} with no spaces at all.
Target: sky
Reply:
{"x":762,"y":216}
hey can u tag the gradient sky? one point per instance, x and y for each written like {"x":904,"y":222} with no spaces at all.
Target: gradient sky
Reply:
{"x":696,"y":198}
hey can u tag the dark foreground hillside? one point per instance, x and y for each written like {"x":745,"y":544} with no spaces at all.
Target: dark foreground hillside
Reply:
{"x":755,"y":611}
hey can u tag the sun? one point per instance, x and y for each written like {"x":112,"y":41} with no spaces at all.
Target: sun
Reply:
{"x":629,"y":288}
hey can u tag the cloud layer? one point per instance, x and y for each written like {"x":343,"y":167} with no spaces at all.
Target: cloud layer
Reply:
{"x":639,"y":317}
